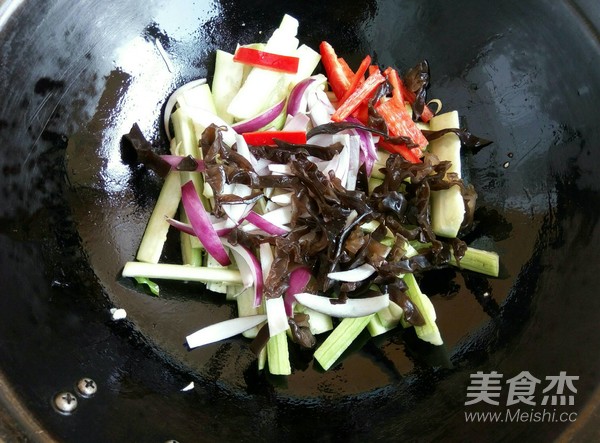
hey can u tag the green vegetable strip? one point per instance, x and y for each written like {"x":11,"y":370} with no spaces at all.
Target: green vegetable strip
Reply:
{"x":154,"y":288}
{"x":155,"y":234}
{"x":220,"y":287}
{"x":180,"y":272}
{"x":278,"y":356}
{"x":485,"y":262}
{"x":447,"y":206}
{"x":187,"y":144}
{"x":428,"y":332}
{"x":341,"y":337}
{"x":191,"y":248}
{"x":390,"y":316}
{"x":375,"y":327}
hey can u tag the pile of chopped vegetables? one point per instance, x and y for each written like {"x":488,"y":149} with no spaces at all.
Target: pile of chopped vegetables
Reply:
{"x":312,"y":201}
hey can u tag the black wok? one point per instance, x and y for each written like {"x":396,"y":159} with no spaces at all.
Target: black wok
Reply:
{"x":74,"y":76}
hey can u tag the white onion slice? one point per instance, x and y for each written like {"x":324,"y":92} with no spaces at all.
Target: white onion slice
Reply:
{"x":276,"y":316}
{"x":298,"y":122}
{"x":250,"y":269}
{"x":357,"y":274}
{"x":222,"y":330}
{"x":353,"y":307}
{"x":173,"y":100}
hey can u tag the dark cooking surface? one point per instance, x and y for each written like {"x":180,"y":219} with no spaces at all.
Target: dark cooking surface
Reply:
{"x":525,"y":75}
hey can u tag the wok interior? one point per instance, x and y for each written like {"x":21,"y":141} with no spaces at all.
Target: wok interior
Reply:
{"x":71,"y":204}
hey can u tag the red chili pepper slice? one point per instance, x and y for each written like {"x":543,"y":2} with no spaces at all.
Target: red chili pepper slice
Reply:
{"x":267,"y":60}
{"x":403,"y":150}
{"x":358,"y":78}
{"x":336,"y":73}
{"x":399,"y":122}
{"x":267,"y":138}
{"x":402,"y":93}
{"x":362,"y":93}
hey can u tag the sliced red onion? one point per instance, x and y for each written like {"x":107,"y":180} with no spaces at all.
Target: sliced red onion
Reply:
{"x":354,"y":307}
{"x":298,"y":122}
{"x":250,"y":269}
{"x":295,"y":101}
{"x":367,"y":146}
{"x":320,"y":108}
{"x":261,"y":120}
{"x":222,"y":330}
{"x":174,"y":161}
{"x":299,"y":278}
{"x":202,"y":225}
{"x":357,"y":274}
{"x":181,"y":226}
{"x":222,"y":228}
{"x":262,"y":223}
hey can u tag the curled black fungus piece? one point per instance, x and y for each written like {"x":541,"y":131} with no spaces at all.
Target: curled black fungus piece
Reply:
{"x":300,"y":329}
{"x":467,"y":139}
{"x":135,"y":149}
{"x":416,"y":80}
{"x":188,"y":164}
{"x":326,"y":234}
{"x":335,"y":127}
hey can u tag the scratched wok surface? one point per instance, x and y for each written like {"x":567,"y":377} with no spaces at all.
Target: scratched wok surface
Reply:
{"x":74,"y":76}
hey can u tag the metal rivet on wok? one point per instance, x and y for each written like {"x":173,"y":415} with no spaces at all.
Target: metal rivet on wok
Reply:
{"x":87,"y":387}
{"x":65,"y":402}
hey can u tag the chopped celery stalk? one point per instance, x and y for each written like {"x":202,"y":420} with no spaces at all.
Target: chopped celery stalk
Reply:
{"x":233,"y":291}
{"x":245,"y":307}
{"x":220,"y":287}
{"x":317,"y":321}
{"x":262,"y":359}
{"x":154,"y":288}
{"x":263,"y":88}
{"x":227,"y":81}
{"x":485,"y":262}
{"x":447,"y":147}
{"x":390,"y":316}
{"x":278,"y":356}
{"x":339,"y":339}
{"x":155,"y":234}
{"x":447,"y":206}
{"x":309,"y":59}
{"x":186,"y":137}
{"x":194,"y":240}
{"x":429,"y":332}
{"x":376,"y":327}
{"x":169,"y":271}
{"x":185,"y":133}
{"x":198,"y":97}
{"x":370,"y":226}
